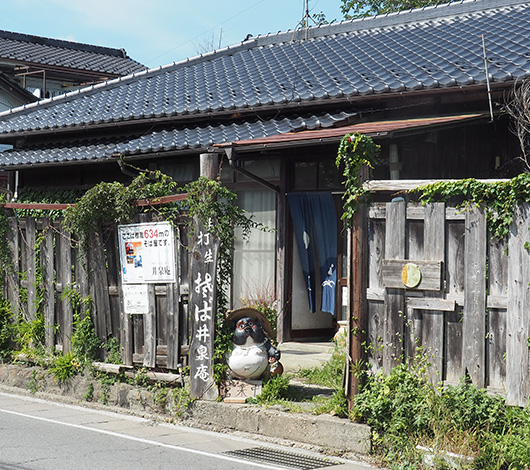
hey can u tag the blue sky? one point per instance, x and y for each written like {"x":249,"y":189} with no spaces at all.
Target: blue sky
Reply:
{"x":157,"y":32}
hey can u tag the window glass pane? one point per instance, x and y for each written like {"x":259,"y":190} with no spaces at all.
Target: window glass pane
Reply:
{"x":305,"y":175}
{"x":254,"y":261}
{"x":329,"y":176}
{"x":266,"y":169}
{"x":181,"y":173}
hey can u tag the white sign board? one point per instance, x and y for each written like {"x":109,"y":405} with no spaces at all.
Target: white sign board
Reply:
{"x":147,"y":253}
{"x":135,"y":299}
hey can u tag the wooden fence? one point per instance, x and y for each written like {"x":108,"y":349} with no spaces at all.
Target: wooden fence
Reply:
{"x":470,"y":311}
{"x":158,"y":338}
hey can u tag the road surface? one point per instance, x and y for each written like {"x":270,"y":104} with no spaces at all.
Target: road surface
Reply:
{"x":41,"y":435}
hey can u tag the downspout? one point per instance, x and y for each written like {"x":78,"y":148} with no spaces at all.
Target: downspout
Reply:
{"x":15,"y":192}
{"x":231,"y":154}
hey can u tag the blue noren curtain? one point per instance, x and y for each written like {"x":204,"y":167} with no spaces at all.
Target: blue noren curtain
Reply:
{"x":315,"y":224}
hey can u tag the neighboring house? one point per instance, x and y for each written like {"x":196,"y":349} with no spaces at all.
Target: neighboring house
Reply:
{"x":277,"y":107}
{"x":49,"y":67}
{"x":12,"y":94}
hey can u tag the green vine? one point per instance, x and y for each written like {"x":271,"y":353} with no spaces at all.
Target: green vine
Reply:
{"x":498,"y":199}
{"x":214,"y":204}
{"x":355,"y":151}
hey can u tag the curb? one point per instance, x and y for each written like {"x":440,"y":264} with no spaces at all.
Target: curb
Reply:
{"x":329,"y":433}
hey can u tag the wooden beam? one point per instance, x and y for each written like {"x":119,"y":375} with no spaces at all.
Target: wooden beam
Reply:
{"x":140,"y":202}
{"x":407,"y":185}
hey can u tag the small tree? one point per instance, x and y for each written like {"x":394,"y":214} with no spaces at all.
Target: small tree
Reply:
{"x":352,"y":9}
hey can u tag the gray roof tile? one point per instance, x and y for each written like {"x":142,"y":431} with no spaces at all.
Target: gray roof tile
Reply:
{"x":68,"y":54}
{"x":183,"y":138}
{"x":429,"y":48}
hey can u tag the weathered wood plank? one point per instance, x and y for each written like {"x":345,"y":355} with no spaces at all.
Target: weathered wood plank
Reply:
{"x":415,"y":239}
{"x":431,"y":274}
{"x":150,"y":329}
{"x":374,"y":333}
{"x":407,"y":185}
{"x":376,"y":244}
{"x":453,"y":346}
{"x":47,"y":262}
{"x":99,"y":283}
{"x":31,"y":268}
{"x":13,"y":271}
{"x":173,"y":324}
{"x":416,"y":211}
{"x":518,"y":313}
{"x":496,"y":348}
{"x":433,"y":320}
{"x":427,"y":303}
{"x":394,"y":298}
{"x":454,"y":260}
{"x":474,"y":326}
{"x":64,"y":276}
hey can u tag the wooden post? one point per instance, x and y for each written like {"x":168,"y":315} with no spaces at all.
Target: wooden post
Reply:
{"x":209,"y":165}
{"x":396,"y":213}
{"x":474,"y":322}
{"x":358,"y":321}
{"x":518,"y":313}
{"x":282,"y":257}
{"x":357,"y":284}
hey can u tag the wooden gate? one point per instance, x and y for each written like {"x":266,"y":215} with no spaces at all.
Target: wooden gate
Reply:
{"x":437,"y":280}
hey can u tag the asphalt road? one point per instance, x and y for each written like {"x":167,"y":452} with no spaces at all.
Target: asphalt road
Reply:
{"x":38,"y":434}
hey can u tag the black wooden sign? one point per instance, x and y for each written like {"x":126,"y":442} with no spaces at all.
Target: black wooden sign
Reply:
{"x":203,"y":312}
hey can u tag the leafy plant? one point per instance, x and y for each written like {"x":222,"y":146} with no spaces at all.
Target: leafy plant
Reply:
{"x":112,"y":349}
{"x":405,"y":411}
{"x":181,"y":400}
{"x":65,"y":367}
{"x":6,"y":315}
{"x":498,"y":199}
{"x":89,"y":395}
{"x":86,"y":345}
{"x":331,"y":372}
{"x":355,"y":151}
{"x":274,"y":389}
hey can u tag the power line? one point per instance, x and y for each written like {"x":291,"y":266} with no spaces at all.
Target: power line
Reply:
{"x":208,"y":31}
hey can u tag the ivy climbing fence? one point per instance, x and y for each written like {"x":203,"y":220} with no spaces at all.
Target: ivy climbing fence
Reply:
{"x":46,"y":263}
{"x":437,"y":280}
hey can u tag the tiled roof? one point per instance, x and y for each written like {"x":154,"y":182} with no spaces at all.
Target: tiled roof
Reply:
{"x":427,"y":49}
{"x":198,"y":137}
{"x":431,"y":48}
{"x":42,"y":51}
{"x":373,"y":129}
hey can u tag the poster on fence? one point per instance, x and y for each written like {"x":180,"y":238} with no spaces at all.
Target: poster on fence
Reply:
{"x":147,"y":253}
{"x":135,"y":299}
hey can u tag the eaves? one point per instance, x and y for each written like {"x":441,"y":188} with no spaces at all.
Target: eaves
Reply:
{"x":261,"y":111}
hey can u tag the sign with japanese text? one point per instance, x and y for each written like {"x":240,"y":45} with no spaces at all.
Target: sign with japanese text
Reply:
{"x":202,"y":313}
{"x":135,"y":299}
{"x":147,"y":253}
